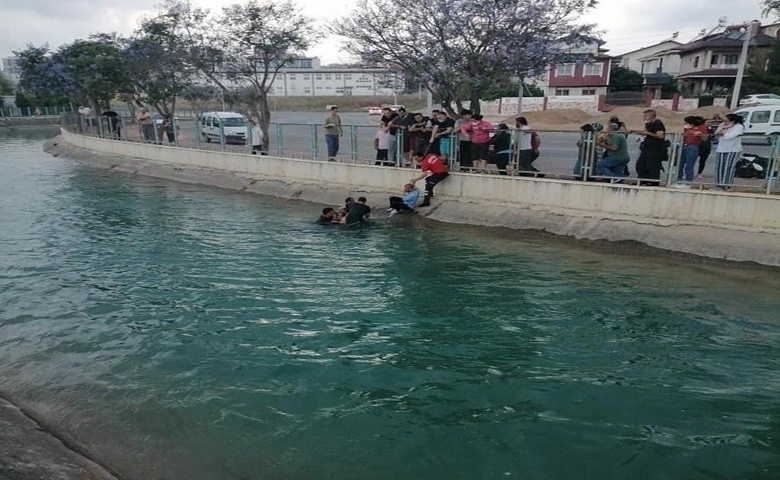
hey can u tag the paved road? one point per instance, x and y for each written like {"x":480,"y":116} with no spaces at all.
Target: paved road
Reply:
{"x":298,"y":135}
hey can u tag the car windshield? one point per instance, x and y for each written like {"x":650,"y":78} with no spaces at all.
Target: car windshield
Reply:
{"x":234,"y":122}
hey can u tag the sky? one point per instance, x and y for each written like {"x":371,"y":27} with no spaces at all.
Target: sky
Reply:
{"x":625,"y":24}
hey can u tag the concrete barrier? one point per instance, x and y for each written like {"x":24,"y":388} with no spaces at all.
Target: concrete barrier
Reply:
{"x":738,"y":226}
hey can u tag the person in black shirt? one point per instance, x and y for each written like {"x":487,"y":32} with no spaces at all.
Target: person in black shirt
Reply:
{"x":358,"y":213}
{"x":419,"y":132}
{"x":388,"y":116}
{"x":499,"y":148}
{"x":441,"y":135}
{"x":653,"y":149}
{"x":112,"y":119}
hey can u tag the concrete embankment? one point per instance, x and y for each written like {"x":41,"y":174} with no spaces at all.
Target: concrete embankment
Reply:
{"x":28,"y":451}
{"x":732,"y":226}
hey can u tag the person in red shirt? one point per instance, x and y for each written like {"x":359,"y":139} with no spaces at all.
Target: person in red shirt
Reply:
{"x":434,"y":170}
{"x":694,"y":133}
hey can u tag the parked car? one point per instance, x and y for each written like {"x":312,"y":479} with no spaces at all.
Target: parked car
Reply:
{"x":760,"y":99}
{"x":230,"y":124}
{"x":375,"y":110}
{"x":395,"y":107}
{"x":762,"y":121}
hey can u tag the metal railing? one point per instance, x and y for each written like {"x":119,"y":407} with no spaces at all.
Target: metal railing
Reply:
{"x":33,"y":111}
{"x":559,"y":158}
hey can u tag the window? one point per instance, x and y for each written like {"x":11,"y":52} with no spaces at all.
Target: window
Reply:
{"x":327,"y":77}
{"x":565,"y":70}
{"x":319,"y":77}
{"x":307,"y":77}
{"x":588,"y":91}
{"x":777,"y":117}
{"x":593,"y":69}
{"x":731,"y":59}
{"x":307,"y":90}
{"x":338,"y":76}
{"x":347,"y":77}
{"x":714,"y":60}
{"x":696,"y":62}
{"x":292,"y":77}
{"x":761,"y":116}
{"x":562,"y":91}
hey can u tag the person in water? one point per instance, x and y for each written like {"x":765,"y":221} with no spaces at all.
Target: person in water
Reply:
{"x":358,"y":213}
{"x":343,"y":210}
{"x":407,"y":203}
{"x":329,"y":217}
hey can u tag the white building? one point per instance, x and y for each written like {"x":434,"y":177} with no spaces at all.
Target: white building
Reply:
{"x":337,"y":81}
{"x":10,"y":68}
{"x":633,"y":59}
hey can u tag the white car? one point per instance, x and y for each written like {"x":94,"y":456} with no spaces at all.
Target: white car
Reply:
{"x":395,"y":107}
{"x":760,"y":99}
{"x":375,"y":110}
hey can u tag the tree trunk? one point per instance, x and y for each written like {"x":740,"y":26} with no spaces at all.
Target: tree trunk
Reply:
{"x":475,"y":106}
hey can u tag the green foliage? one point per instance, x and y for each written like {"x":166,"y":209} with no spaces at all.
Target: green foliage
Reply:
{"x":510,"y":89}
{"x":760,"y":79}
{"x":6,"y":86}
{"x":623,"y":79}
{"x":771,"y":7}
{"x":461,"y":48}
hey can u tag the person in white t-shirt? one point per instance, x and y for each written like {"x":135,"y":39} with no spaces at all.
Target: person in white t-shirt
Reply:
{"x":729,"y":149}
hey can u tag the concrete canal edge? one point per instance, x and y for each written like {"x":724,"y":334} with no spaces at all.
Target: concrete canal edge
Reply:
{"x":13,"y":123}
{"x":739,"y":227}
{"x":29,"y":450}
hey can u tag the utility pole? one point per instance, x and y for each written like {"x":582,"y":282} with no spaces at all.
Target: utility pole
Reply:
{"x":520,"y":98}
{"x":751,"y":30}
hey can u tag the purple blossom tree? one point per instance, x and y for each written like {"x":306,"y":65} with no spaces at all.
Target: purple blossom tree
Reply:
{"x":459,"y":48}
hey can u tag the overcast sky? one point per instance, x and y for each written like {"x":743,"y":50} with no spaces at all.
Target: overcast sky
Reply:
{"x":626,"y":24}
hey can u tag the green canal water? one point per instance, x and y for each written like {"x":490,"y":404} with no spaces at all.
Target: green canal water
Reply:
{"x":184,"y":332}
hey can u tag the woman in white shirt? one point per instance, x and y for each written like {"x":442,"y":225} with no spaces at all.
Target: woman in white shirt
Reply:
{"x":729,"y":149}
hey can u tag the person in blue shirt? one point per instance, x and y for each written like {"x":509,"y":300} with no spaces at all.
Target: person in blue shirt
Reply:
{"x":407,"y":203}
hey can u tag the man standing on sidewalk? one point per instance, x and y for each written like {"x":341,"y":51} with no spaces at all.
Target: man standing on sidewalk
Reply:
{"x":652,"y":150}
{"x":333,"y":131}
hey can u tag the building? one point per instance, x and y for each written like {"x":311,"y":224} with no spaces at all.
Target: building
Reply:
{"x":586,"y":74}
{"x":305,"y":77}
{"x":710,"y":63}
{"x":10,"y":68}
{"x":660,"y":70}
{"x":633,"y":59}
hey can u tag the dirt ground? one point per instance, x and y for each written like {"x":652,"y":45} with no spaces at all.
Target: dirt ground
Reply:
{"x":572,"y":119}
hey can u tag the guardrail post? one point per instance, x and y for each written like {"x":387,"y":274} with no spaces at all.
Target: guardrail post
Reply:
{"x":674,"y":160}
{"x":249,"y":140}
{"x":221,"y":134}
{"x":313,"y":141}
{"x":588,"y":153}
{"x":197,"y":132}
{"x":175,"y":126}
{"x":353,"y":143}
{"x":773,"y":167}
{"x":279,"y":139}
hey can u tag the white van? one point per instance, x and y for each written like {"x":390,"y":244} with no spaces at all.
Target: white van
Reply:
{"x":761,"y":121}
{"x":233,"y":125}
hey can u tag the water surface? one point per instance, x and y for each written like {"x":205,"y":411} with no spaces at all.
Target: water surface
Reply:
{"x":185,"y":332}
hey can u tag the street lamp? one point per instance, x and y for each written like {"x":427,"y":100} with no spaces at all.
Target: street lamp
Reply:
{"x":748,"y":35}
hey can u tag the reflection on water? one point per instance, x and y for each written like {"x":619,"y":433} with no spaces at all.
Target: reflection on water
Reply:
{"x":185,"y":332}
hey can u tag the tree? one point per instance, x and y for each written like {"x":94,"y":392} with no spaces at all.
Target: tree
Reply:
{"x":509,"y":88}
{"x":243,"y":49}
{"x":771,"y":6}
{"x":43,"y":81}
{"x":457,"y":46}
{"x":764,"y":72}
{"x":158,"y":57}
{"x":622,"y":79}
{"x":6,"y":85}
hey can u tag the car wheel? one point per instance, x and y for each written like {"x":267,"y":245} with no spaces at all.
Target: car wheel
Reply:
{"x":206,"y":138}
